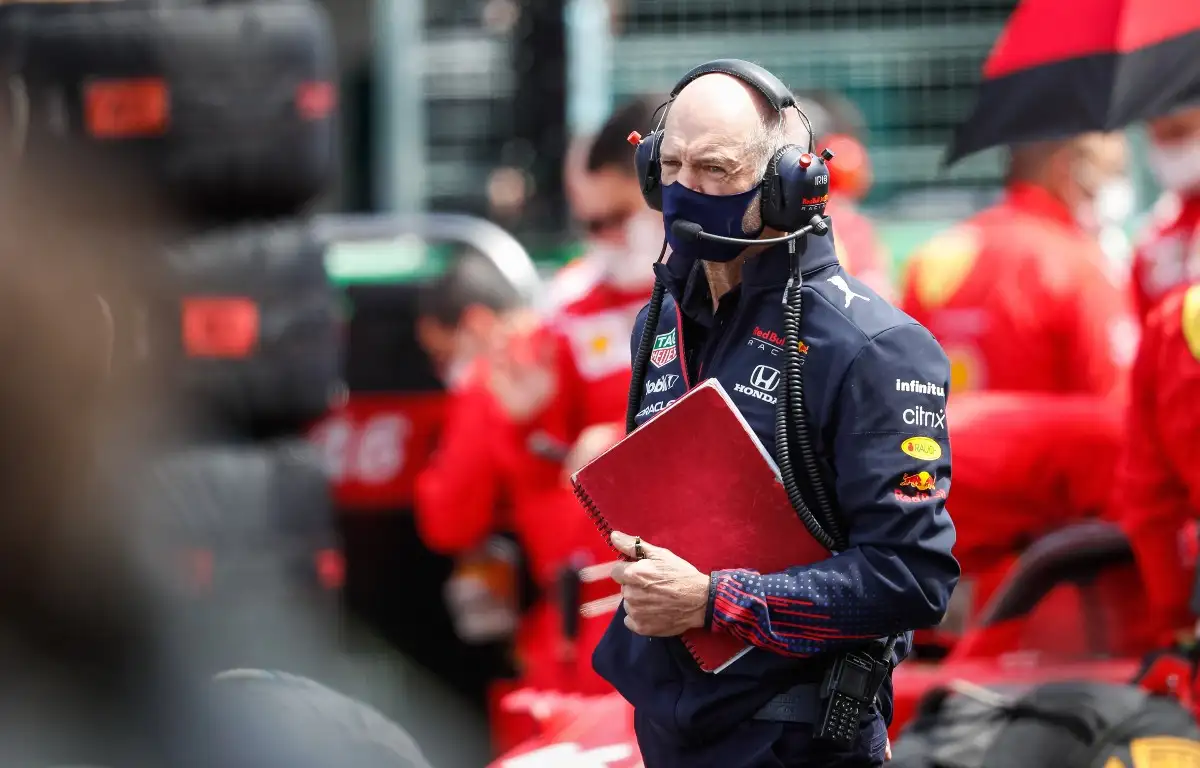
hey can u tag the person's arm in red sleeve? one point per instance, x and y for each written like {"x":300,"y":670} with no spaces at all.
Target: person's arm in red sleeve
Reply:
{"x":536,"y":391}
{"x":458,"y":492}
{"x":1158,"y":481}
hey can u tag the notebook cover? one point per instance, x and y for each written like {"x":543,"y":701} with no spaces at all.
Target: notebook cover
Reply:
{"x":696,"y":480}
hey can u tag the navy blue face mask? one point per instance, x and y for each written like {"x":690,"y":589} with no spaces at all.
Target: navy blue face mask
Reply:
{"x":716,"y":214}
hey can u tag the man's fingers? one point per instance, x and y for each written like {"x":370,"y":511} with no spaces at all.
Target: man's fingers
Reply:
{"x":623,"y":544}
{"x":619,"y":574}
{"x":631,"y":625}
{"x":629,"y":546}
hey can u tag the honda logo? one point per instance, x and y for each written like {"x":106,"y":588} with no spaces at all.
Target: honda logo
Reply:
{"x":765,"y":378}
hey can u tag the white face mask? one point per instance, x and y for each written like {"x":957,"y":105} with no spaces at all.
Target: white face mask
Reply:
{"x":1113,"y":203}
{"x":1176,"y":166}
{"x":630,"y":266}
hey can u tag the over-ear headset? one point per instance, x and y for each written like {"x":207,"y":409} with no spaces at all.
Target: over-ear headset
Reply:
{"x":795,"y":186}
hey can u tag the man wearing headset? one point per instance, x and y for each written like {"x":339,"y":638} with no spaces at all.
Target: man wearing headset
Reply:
{"x":725,"y":162}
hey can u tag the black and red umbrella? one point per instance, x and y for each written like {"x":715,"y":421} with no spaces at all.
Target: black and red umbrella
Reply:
{"x":1064,"y":67}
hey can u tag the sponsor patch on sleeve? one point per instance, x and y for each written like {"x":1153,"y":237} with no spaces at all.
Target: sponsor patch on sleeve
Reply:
{"x":921,"y":448}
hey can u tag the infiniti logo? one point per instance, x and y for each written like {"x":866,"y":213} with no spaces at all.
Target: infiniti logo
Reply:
{"x":765,"y":378}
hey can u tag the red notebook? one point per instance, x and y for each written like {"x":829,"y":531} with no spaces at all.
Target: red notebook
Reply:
{"x":696,"y":480}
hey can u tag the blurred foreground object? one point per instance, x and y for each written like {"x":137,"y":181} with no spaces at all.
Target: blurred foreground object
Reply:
{"x":244,"y":327}
{"x":1065,"y":67}
{"x":226,"y":108}
{"x":1068,"y":723}
{"x":298,"y":723}
{"x":249,"y":328}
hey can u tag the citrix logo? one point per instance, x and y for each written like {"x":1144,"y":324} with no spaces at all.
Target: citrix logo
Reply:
{"x":919,"y":417}
{"x":661,"y":384}
{"x":920,"y":388}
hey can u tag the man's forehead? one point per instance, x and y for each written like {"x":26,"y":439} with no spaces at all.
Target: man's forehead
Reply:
{"x":715,"y":109}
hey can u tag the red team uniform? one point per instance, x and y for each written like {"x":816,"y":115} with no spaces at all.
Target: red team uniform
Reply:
{"x":1168,"y":253}
{"x":1158,"y":484}
{"x":485,"y":460}
{"x":1022,"y":301}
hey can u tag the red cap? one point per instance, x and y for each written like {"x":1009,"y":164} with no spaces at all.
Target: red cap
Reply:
{"x":634,"y":138}
{"x":805,"y":160}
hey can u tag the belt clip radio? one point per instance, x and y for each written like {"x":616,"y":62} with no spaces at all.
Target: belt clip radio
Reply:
{"x":848,"y":691}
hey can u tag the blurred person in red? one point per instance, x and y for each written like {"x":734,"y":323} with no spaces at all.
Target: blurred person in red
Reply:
{"x":1168,"y":251}
{"x":550,"y":398}
{"x":1157,"y":486}
{"x":839,"y":125}
{"x":1022,"y":299}
{"x":1019,"y":295}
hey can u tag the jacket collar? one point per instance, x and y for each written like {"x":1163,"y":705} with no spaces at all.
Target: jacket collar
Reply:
{"x":1038,"y":202}
{"x":687,"y":284}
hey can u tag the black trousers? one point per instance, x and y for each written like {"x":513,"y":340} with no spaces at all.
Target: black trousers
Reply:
{"x":761,"y":744}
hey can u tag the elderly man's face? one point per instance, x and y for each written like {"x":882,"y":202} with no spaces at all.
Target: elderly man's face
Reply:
{"x":709,"y":136}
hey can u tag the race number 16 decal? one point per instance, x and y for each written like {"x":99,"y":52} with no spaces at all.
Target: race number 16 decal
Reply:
{"x":372,"y":453}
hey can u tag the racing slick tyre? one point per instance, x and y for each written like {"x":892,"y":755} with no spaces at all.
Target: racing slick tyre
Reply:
{"x":246,"y":535}
{"x":297,"y":719}
{"x":1071,"y":724}
{"x":228,"y":107}
{"x":248,"y":330}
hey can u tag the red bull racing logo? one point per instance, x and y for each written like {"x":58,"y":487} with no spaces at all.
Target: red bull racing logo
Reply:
{"x":769,"y":336}
{"x":917,"y":487}
{"x":771,"y":341}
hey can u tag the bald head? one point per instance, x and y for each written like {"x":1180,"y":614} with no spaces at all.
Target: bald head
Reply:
{"x":719,"y":135}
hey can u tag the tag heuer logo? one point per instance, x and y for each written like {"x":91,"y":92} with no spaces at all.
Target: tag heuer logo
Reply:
{"x":665,"y":349}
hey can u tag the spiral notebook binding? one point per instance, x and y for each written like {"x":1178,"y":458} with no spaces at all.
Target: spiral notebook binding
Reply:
{"x":585,"y":500}
{"x":691,"y":649}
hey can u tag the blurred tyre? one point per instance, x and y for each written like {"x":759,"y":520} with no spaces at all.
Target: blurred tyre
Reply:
{"x":248,"y":327}
{"x":294,"y":718}
{"x":247,"y":536}
{"x":229,"y":107}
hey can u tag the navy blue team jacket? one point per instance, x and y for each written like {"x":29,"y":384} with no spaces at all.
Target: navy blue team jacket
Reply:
{"x":875,"y":386}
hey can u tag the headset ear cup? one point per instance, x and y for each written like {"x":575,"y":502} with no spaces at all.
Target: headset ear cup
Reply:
{"x":774,"y":198}
{"x":649,"y":170}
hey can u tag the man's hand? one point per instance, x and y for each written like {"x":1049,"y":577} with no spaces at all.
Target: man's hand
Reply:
{"x":521,"y":372}
{"x":664,"y":594}
{"x":592,"y":442}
